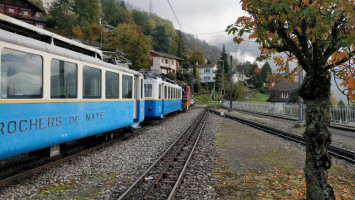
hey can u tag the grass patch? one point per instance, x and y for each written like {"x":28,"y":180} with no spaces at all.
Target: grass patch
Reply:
{"x":258,"y":97}
{"x":55,"y":188}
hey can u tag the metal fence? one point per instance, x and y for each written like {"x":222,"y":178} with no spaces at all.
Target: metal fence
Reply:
{"x":341,"y":115}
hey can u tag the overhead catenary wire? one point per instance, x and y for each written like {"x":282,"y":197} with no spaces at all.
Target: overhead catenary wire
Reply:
{"x":175,"y":15}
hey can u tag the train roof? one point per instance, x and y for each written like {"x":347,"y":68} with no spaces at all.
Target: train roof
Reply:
{"x":45,"y":41}
{"x":159,"y":80}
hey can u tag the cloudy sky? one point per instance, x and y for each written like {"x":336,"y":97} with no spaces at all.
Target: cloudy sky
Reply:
{"x":208,"y":21}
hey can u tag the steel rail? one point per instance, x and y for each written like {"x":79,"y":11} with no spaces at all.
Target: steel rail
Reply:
{"x":140,"y":180}
{"x":177,"y":184}
{"x":333,"y":150}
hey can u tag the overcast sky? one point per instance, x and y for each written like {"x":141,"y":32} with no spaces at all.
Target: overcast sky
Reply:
{"x":197,"y":16}
{"x":201,"y":17}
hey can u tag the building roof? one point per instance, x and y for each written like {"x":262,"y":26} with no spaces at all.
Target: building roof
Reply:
{"x":203,"y":66}
{"x":245,"y":68}
{"x":165,"y":55}
{"x":284,"y":86}
{"x":206,"y":66}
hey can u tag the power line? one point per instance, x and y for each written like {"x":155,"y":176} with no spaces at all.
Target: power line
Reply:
{"x":175,"y":16}
{"x":210,"y":33}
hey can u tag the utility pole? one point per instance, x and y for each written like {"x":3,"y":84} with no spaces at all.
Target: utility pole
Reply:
{"x":151,"y":7}
{"x":222,"y":78}
{"x":300,"y":115}
{"x":231,"y":83}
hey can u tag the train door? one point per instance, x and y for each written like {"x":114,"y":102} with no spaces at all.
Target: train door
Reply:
{"x":138,"y":85}
{"x":135,"y":97}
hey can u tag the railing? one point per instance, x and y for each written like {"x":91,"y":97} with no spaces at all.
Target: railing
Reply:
{"x":341,"y":115}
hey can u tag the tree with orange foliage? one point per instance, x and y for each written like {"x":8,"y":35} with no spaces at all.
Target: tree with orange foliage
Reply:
{"x":320,"y":37}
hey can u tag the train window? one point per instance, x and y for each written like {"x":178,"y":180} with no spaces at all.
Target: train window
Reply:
{"x":112,"y":85}
{"x":91,"y":83}
{"x":142,"y":97}
{"x":64,"y":79}
{"x":127,"y":86}
{"x":159,"y":91}
{"x":148,"y":90}
{"x":169,"y":92}
{"x":165,"y":92}
{"x":21,"y":75}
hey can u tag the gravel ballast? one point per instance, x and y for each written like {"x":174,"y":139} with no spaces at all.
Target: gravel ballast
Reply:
{"x":101,"y":174}
{"x":198,"y":181}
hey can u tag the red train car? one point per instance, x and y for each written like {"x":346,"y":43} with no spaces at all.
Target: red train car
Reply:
{"x":186,"y":96}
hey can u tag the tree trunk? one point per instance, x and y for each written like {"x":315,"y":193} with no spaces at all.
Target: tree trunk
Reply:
{"x":315,"y":91}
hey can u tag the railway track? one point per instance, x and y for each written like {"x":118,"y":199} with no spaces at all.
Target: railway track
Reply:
{"x":335,"y":151}
{"x":161,"y":180}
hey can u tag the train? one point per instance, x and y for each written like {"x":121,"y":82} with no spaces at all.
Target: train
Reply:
{"x":55,"y":90}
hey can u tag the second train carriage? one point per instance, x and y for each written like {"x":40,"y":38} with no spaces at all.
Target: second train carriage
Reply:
{"x":161,"y":97}
{"x":51,"y":95}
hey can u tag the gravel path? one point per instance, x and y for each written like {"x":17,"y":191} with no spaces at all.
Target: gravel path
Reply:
{"x":340,"y":138}
{"x":101,"y":174}
{"x":252,"y":164}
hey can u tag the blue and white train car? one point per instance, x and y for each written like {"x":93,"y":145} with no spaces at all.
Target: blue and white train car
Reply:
{"x":161,"y":97}
{"x":51,"y":95}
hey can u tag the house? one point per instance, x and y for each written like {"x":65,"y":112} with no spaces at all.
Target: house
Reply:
{"x":280,"y":92}
{"x":164,"y":63}
{"x":206,"y":72}
{"x":23,"y":10}
{"x":237,"y":76}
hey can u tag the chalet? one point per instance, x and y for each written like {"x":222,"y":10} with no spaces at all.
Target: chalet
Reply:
{"x":164,"y":63}
{"x":280,"y":92}
{"x":23,"y":10}
{"x":206,"y":72}
{"x":238,"y":76}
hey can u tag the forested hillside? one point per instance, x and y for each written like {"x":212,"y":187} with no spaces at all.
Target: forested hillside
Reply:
{"x":133,"y":31}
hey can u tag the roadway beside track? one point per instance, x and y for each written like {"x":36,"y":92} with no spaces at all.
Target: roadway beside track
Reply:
{"x":295,"y":119}
{"x":340,"y":137}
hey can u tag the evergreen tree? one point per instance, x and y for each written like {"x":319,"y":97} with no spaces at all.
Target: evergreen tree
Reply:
{"x":341,"y":103}
{"x":123,"y":5}
{"x":89,"y":10}
{"x":160,"y":39}
{"x":265,"y":71}
{"x":223,"y":61}
{"x":62,"y":17}
{"x":110,"y":12}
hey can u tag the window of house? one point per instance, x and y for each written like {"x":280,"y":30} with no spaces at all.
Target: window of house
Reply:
{"x":21,"y":75}
{"x":162,"y":60}
{"x":91,"y":83}
{"x":284,"y":95}
{"x":64,"y":79}
{"x":25,"y":12}
{"x":39,"y":26}
{"x":127,"y":83}
{"x":11,"y":10}
{"x":148,"y":90}
{"x":112,"y":85}
{"x":172,"y":62}
{"x":166,"y":61}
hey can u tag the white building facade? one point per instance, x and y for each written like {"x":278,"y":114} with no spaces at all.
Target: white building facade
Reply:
{"x":207,"y":72}
{"x":164,"y":63}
